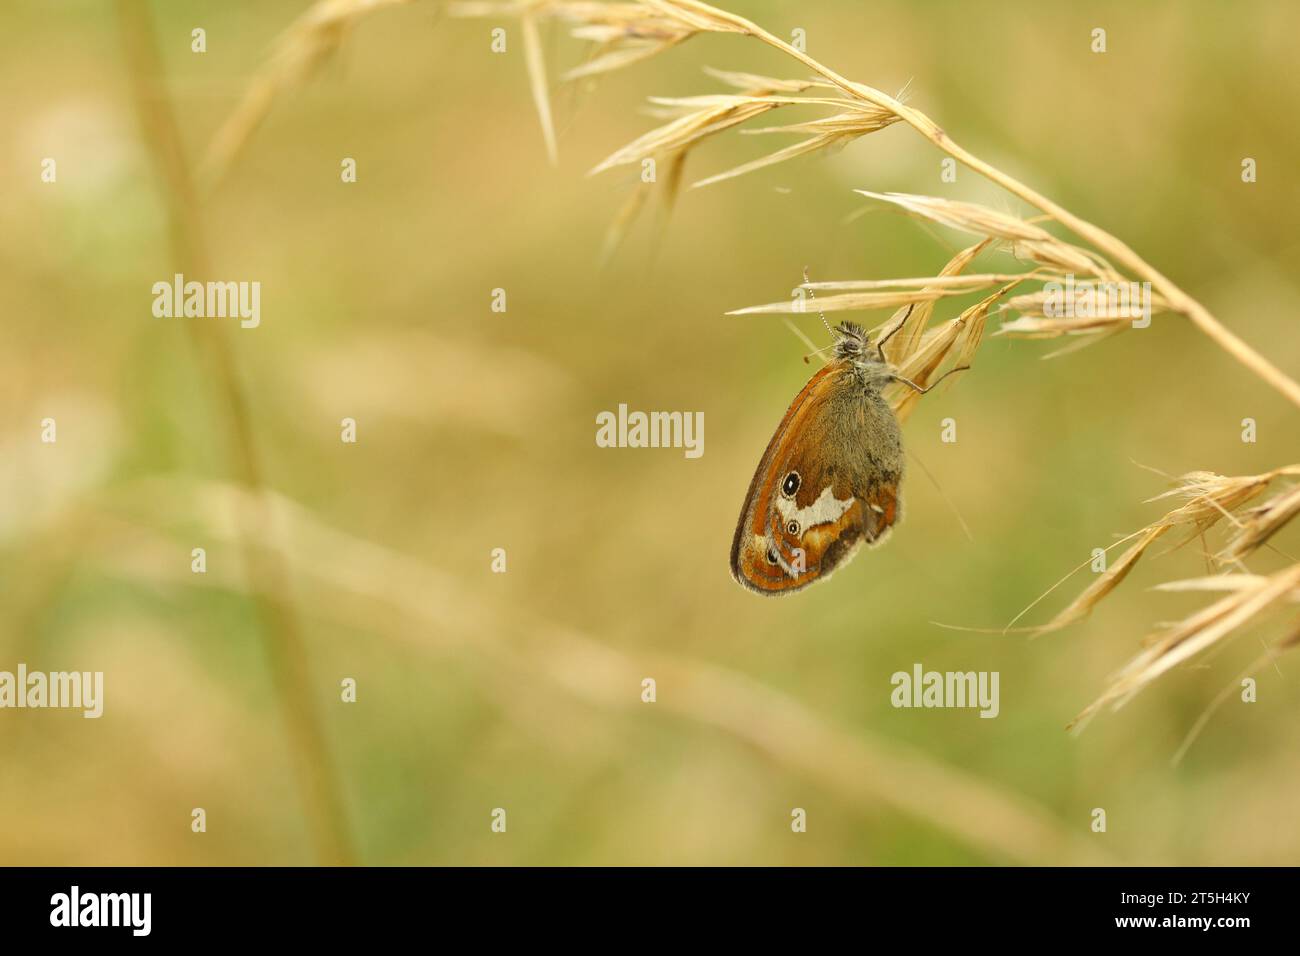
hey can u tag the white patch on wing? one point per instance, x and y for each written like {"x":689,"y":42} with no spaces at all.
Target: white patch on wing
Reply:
{"x":825,"y":509}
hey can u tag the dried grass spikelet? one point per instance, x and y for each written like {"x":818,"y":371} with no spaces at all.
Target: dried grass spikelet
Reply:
{"x":626,"y":33}
{"x":1066,"y":258}
{"x":301,"y":50}
{"x":622,"y":34}
{"x":1053,"y":259}
{"x":828,"y":133}
{"x":1196,"y":633}
{"x":958,"y":338}
{"x":528,"y":13}
{"x":1210,"y":498}
{"x":917,"y":352}
{"x":1025,"y":239}
{"x":908,"y":338}
{"x":535,"y":63}
{"x":692,"y":119}
{"x":1221,"y":582}
{"x":705,"y":116}
{"x":1033,"y":321}
{"x":757,"y":85}
{"x":958,"y":284}
{"x":698,"y":16}
{"x":1107,"y":581}
{"x":967,"y":217}
{"x":891,"y":294}
{"x":1258,"y":524}
{"x":610,"y":24}
{"x":635,"y":202}
{"x":852,"y":301}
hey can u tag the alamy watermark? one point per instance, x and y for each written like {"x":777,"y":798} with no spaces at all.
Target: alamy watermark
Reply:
{"x":1093,"y":299}
{"x":208,"y":300}
{"x":651,"y":430}
{"x":922,"y":688}
{"x":75,"y":690}
{"x":75,"y":908}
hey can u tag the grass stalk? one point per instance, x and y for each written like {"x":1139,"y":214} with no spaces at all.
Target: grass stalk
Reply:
{"x":1179,"y":301}
{"x":267,"y":577}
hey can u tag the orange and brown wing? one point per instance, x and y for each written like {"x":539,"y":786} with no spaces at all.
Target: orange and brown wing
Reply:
{"x":811,"y":503}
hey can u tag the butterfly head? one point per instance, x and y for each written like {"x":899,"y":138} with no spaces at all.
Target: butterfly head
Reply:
{"x":853,"y":344}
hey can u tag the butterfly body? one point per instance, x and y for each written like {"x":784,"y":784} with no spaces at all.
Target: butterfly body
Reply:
{"x":829,"y":480}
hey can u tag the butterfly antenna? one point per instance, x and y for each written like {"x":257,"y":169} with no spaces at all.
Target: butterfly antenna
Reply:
{"x":813,"y":296}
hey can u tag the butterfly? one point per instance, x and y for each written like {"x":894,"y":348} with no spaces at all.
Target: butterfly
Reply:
{"x":828,"y":482}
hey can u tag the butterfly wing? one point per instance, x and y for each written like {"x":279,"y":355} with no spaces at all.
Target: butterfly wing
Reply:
{"x":827,"y":484}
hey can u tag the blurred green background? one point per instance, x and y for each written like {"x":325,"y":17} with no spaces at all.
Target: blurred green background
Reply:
{"x":476,"y":431}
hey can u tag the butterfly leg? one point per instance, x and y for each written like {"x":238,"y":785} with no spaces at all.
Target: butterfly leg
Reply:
{"x":923,"y":390}
{"x":880,"y":346}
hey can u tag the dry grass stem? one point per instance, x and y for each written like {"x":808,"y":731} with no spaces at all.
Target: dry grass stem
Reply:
{"x":691,"y":16}
{"x":265,"y":575}
{"x":628,"y":32}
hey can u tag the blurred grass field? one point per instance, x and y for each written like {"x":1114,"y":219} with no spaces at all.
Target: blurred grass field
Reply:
{"x":478,"y":690}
